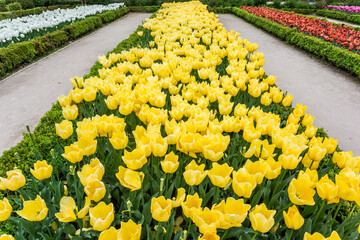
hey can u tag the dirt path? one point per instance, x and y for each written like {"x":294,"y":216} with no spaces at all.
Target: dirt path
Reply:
{"x":331,"y":95}
{"x":28,"y":94}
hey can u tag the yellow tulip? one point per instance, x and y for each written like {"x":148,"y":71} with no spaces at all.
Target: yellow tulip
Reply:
{"x":220,"y":174}
{"x":300,"y":192}
{"x":207,"y":220}
{"x":308,"y":120}
{"x":265,"y":99}
{"x":327,"y":189}
{"x":119,"y":140}
{"x":274,"y":170}
{"x":6,"y":237}
{"x":89,"y":172}
{"x":316,"y":153}
{"x":76,"y":95}
{"x":84,"y":211}
{"x":194,"y":174}
{"x":73,"y":153}
{"x":161,"y":209}
{"x":179,"y":198}
{"x":287,"y":100}
{"x":214,"y":150}
{"x":170,"y":163}
{"x":64,"y":129}
{"x":257,"y":169}
{"x":95,"y":190}
{"x":234,"y":212}
{"x":130,"y":231}
{"x":109,"y":234}
{"x":89,"y":93}
{"x":240,"y":110}
{"x":159,"y":146}
{"x":64,"y":100}
{"x":209,"y":235}
{"x":3,"y":184}
{"x":334,"y":236}
{"x":101,"y":216}
{"x":293,"y":218}
{"x":15,"y":180}
{"x":68,"y":210}
{"x":87,"y":145}
{"x":348,"y":184}
{"x":243,"y":183}
{"x":262,"y":219}
{"x":330,"y":144}
{"x":135,"y":159}
{"x":192,"y":203}
{"x":289,"y":161}
{"x":341,"y":158}
{"x":34,"y":210}
{"x":225,"y":107}
{"x":5,"y":209}
{"x":315,"y":236}
{"x":42,"y":170}
{"x":129,"y":178}
{"x":310,"y":131}
{"x":70,"y":112}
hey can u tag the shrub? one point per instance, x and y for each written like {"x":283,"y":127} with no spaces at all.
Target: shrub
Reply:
{"x":26,"y":4}
{"x":277,"y":4}
{"x":2,"y":6}
{"x":259,"y":2}
{"x":354,"y":19}
{"x":39,"y":3}
{"x":290,"y":4}
{"x":332,"y":14}
{"x":14,"y":6}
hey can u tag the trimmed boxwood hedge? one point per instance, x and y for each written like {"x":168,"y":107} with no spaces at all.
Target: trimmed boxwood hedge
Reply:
{"x":354,"y":19}
{"x":15,"y":55}
{"x":32,"y":11}
{"x":332,"y":14}
{"x":299,"y":10}
{"x":338,"y":56}
{"x":144,"y":8}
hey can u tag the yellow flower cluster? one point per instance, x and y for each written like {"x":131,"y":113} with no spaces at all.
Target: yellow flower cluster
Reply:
{"x":194,"y":102}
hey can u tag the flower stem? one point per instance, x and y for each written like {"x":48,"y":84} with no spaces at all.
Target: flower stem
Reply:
{"x":292,"y":231}
{"x":158,"y":231}
{"x":253,"y":238}
{"x":319,"y":212}
{"x":337,"y":210}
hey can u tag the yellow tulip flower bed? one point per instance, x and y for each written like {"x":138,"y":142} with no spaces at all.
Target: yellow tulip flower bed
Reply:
{"x":186,"y":137}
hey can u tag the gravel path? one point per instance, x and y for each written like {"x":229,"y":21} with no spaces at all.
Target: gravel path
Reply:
{"x":28,"y":94}
{"x":331,"y":95}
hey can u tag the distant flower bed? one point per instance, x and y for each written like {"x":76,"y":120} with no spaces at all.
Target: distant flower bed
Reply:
{"x":343,"y":36}
{"x":26,"y":28}
{"x":350,"y":9}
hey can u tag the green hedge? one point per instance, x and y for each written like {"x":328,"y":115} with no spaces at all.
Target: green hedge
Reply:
{"x":15,"y":55}
{"x":32,"y":11}
{"x":354,"y":19}
{"x":340,"y":57}
{"x":299,"y":10}
{"x":144,"y":8}
{"x":332,"y":14}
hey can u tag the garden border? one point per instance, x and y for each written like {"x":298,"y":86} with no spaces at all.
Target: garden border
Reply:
{"x":18,"y":55}
{"x":340,"y":57}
